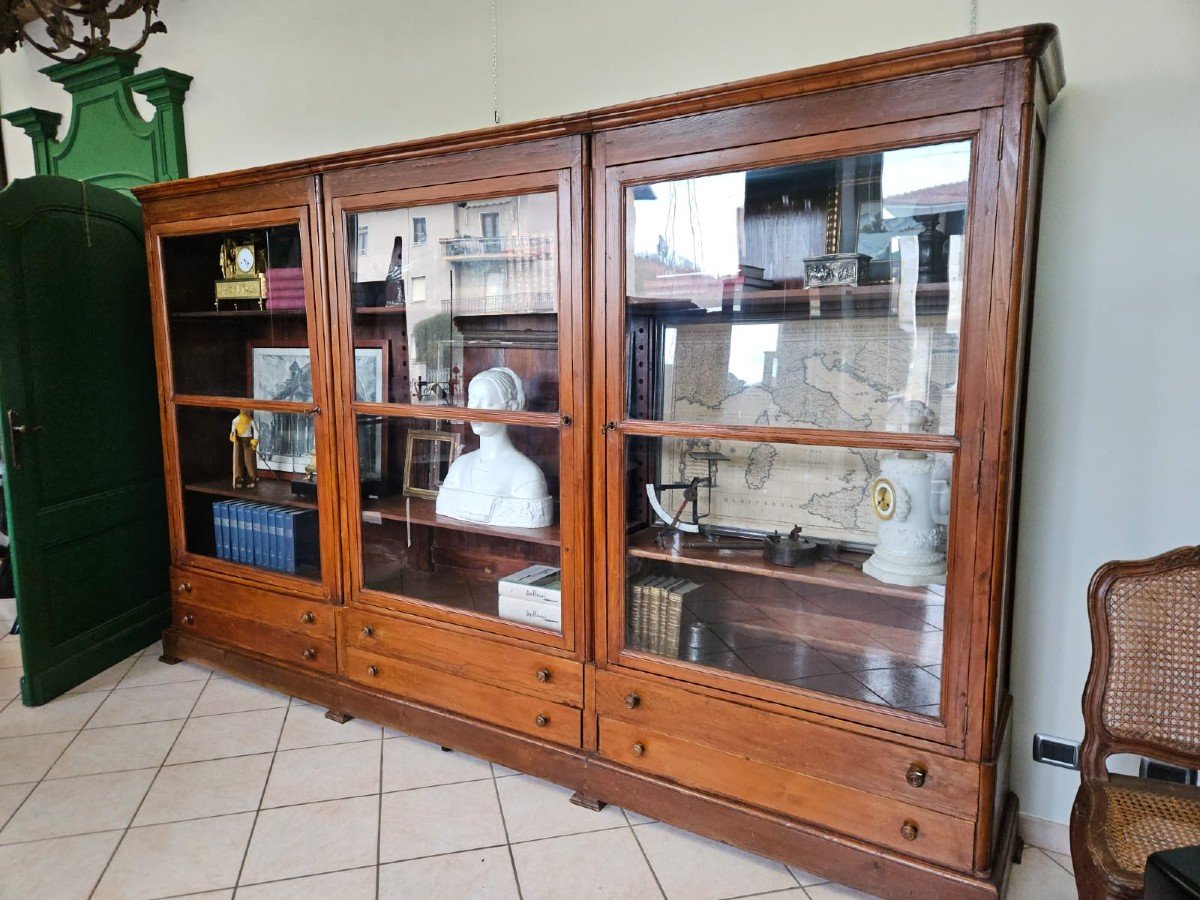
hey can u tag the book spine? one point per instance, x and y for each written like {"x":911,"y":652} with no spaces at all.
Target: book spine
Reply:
{"x":529,"y":592}
{"x":636,"y":601}
{"x":256,"y":544}
{"x":236,"y":529}
{"x":674,"y":613}
{"x":531,"y":612}
{"x":274,"y":540}
{"x":289,"y":541}
{"x":218,"y":513}
{"x":307,"y":550}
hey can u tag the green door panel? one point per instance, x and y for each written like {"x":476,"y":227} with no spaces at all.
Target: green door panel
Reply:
{"x":87,"y":514}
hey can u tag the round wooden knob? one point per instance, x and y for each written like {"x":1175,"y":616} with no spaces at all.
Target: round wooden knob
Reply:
{"x":908,"y":830}
{"x":189,"y":619}
{"x":367,"y":631}
{"x":372,"y":671}
{"x":307,"y":618}
{"x":639,"y":749}
{"x":543,"y":675}
{"x":542,"y":721}
{"x":632,"y":700}
{"x":915,"y":775}
{"x":185,"y":587}
{"x":310,"y":653}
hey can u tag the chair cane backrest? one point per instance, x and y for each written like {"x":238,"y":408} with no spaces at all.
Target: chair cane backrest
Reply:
{"x":1143,"y":690}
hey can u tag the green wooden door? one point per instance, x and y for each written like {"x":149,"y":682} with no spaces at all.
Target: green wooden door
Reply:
{"x":81,"y":446}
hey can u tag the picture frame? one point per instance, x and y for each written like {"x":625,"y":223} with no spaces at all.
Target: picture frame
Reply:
{"x":428,"y":456}
{"x":286,"y":440}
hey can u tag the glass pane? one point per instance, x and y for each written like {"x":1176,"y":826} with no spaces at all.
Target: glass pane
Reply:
{"x":231,"y":298}
{"x":445,"y":291}
{"x":249,"y":488}
{"x":851,"y":605}
{"x":463,"y":515}
{"x":810,"y":295}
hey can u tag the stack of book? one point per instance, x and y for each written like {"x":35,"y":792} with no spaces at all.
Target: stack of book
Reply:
{"x":533,"y":596}
{"x":656,"y":611}
{"x":285,"y":288}
{"x":271,"y":537}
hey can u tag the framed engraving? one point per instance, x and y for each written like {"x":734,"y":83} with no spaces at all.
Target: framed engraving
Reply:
{"x":427,"y":459}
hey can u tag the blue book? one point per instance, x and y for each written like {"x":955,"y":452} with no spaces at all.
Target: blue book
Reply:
{"x":240,"y":542}
{"x":306,"y":540}
{"x":218,"y":509}
{"x":289,"y":540}
{"x":258,"y":534}
{"x":274,"y":536}
{"x":224,"y":545}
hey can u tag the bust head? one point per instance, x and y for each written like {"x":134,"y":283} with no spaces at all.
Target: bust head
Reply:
{"x":497,"y":388}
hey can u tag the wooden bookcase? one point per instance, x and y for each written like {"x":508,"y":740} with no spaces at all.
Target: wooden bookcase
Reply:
{"x":642,"y":268}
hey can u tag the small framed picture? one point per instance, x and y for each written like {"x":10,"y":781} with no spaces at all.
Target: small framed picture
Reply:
{"x":427,"y":459}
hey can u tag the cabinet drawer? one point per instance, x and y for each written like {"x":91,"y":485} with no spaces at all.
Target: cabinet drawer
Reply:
{"x":457,"y":653}
{"x":917,"y":777}
{"x":879,"y":820}
{"x":277,"y":610}
{"x":286,"y":646}
{"x":536,"y":717}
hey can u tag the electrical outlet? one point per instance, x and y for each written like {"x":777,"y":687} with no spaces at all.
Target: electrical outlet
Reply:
{"x":1056,"y":751}
{"x":1161,"y":771}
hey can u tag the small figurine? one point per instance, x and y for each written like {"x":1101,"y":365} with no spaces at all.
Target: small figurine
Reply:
{"x":310,"y":468}
{"x":243,"y":434}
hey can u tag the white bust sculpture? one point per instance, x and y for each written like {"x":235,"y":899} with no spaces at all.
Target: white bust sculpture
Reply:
{"x":496,"y":484}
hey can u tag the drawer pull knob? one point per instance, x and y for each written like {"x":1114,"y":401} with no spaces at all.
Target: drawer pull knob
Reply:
{"x":367,"y":631}
{"x":307,"y":618}
{"x":372,"y":671}
{"x":189,"y":619}
{"x":915,"y":775}
{"x":310,"y":653}
{"x":543,"y":675}
{"x":639,"y":749}
{"x":185,"y":587}
{"x":908,"y":830}
{"x":542,"y":721}
{"x":632,"y":700}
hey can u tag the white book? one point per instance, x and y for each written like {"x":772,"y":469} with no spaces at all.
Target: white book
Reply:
{"x":542,"y":583}
{"x":532,"y":612}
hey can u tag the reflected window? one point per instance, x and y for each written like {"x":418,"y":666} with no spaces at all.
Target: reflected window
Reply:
{"x":419,"y":233}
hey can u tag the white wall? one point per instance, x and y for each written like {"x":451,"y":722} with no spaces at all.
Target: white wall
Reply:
{"x":1115,"y":381}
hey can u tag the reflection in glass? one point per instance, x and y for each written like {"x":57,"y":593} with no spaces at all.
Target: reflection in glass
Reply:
{"x":717,"y":575}
{"x":411,"y":550}
{"x":451,"y":289}
{"x":230,"y":295}
{"x":811,"y":295}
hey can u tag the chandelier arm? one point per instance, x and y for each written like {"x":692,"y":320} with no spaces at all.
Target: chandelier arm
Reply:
{"x":94,"y":15}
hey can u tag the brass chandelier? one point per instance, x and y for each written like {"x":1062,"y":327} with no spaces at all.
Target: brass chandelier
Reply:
{"x":74,"y":30}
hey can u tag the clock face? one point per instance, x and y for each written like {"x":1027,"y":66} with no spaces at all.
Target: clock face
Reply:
{"x":245,"y":259}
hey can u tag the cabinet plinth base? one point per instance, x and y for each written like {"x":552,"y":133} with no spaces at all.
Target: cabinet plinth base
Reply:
{"x":835,"y":856}
{"x":170,"y":660}
{"x":334,"y":715}
{"x":581,"y":799}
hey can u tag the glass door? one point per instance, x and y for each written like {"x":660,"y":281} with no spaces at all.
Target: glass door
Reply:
{"x":787,"y":432}
{"x":457,"y":303}
{"x":244,"y":410}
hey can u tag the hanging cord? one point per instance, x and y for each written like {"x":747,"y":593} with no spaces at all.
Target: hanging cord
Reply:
{"x":87,"y":217}
{"x":974,"y":20}
{"x":495,"y":68}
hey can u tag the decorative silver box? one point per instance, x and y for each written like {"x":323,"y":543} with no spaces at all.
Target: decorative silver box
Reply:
{"x":836,"y":269}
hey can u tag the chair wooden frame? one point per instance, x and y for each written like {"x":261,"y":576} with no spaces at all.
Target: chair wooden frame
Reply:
{"x":1097,"y":874}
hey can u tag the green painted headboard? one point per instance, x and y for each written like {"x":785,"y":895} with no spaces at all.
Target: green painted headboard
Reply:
{"x":108,"y":142}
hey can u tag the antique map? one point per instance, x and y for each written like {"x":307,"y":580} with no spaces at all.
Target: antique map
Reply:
{"x":835,"y":373}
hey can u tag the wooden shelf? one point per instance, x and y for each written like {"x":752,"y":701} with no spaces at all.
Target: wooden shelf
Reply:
{"x":238,"y":314}
{"x":931,"y":298}
{"x":842,"y":575}
{"x":421,"y":512}
{"x":269,"y":490}
{"x":380,"y":310}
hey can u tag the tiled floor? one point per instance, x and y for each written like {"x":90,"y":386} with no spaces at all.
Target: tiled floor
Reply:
{"x":158,"y":781}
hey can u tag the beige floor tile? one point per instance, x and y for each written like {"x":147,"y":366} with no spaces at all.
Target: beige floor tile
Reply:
{"x":154,"y":650}
{"x":211,"y":788}
{"x":231,"y":734}
{"x":67,"y":713}
{"x":156,"y":703}
{"x":79,"y":805}
{"x":10,"y":654}
{"x":477,"y":874}
{"x":307,"y":726}
{"x":690,"y":867}
{"x":806,"y":878}
{"x":638,"y":818}
{"x":148,"y":670}
{"x":535,"y":809}
{"x":442,"y":819}
{"x":312,"y":839}
{"x":409,"y":762}
{"x":796,"y":893}
{"x":10,"y":682}
{"x":602,"y":865}
{"x":177,"y":858}
{"x":831,"y":891}
{"x":1062,"y":859}
{"x":106,"y":680}
{"x":117,"y":749}
{"x":1038,"y":877}
{"x":323,"y":773}
{"x":65,"y":868}
{"x":12,"y":796}
{"x":226,"y":894}
{"x":503,"y":771}
{"x":353,"y":884}
{"x":227,"y":695}
{"x":29,"y":758}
